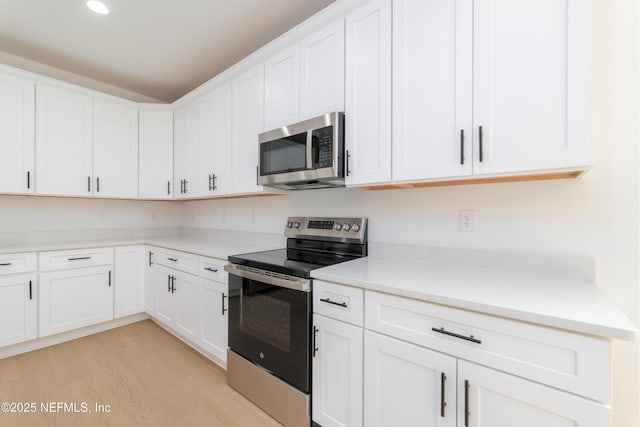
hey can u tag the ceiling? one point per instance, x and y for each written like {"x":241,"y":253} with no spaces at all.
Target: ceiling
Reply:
{"x":156,"y":50}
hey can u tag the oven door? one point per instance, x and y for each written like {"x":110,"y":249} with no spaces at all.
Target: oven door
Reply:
{"x":270,"y":324}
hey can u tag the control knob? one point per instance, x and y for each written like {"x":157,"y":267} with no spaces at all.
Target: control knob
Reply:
{"x":346,"y":227}
{"x":338,"y":226}
{"x":289,"y":224}
{"x":296,"y":225}
{"x":355,"y":227}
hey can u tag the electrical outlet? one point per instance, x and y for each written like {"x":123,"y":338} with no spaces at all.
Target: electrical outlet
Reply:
{"x":154,"y":216}
{"x":102,"y":216}
{"x":467,"y":220}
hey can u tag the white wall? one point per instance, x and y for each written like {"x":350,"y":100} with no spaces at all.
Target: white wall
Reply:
{"x":597,"y":215}
{"x":19,"y":214}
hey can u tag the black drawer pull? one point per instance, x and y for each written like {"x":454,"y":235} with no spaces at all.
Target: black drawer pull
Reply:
{"x":109,"y":278}
{"x":315,"y":348}
{"x":443,"y":403}
{"x":172,"y":259}
{"x":5,"y":264}
{"x":173,"y":284}
{"x":328,"y":301}
{"x":213,"y":270}
{"x":30,"y":290}
{"x":79,"y":258}
{"x":224,"y":309}
{"x":466,"y":403}
{"x":453,"y":334}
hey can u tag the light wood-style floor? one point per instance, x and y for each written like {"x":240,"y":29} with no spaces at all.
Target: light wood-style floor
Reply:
{"x":146,"y":375}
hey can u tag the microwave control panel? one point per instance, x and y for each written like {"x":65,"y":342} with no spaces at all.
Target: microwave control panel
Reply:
{"x":323,"y":147}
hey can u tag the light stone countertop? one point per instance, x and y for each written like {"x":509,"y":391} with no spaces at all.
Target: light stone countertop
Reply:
{"x":551,"y":291}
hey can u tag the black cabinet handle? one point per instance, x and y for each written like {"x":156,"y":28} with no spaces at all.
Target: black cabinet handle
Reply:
{"x":223,"y":309}
{"x":172,"y":259}
{"x":453,"y":334}
{"x":186,"y":189}
{"x":213,"y":270}
{"x":30,"y":290}
{"x":443,"y":404}
{"x":173,"y":284}
{"x":109,"y":278}
{"x":150,"y":253}
{"x":466,"y":403}
{"x":168,"y":187}
{"x":79,"y":258}
{"x":462,"y":146}
{"x":213,"y":182}
{"x":328,"y":301}
{"x":89,"y":184}
{"x":97,"y":184}
{"x":315,"y":348}
{"x":5,"y":264}
{"x":348,"y":157}
{"x":28,"y":179}
{"x":168,"y":283}
{"x":182,"y":186}
{"x":481,"y":144}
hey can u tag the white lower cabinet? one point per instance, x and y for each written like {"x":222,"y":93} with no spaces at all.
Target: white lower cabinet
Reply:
{"x":407,"y":385}
{"x":337,"y":373}
{"x":177,"y":301}
{"x":71,"y":299}
{"x":129,"y":280}
{"x":488,"y":398}
{"x":18,"y":308}
{"x":213,"y":318}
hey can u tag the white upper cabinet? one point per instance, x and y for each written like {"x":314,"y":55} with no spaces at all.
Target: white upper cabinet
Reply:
{"x":186,"y":151}
{"x":532,"y":88}
{"x":155,"y":127}
{"x":215,"y":142}
{"x":432,"y":80}
{"x":368,"y":94}
{"x":17,"y":140}
{"x":282,"y":89}
{"x":115,"y":149}
{"x":63,"y":142}
{"x":322,"y":71}
{"x":248,"y":122}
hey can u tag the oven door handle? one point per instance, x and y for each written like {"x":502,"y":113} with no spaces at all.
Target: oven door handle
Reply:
{"x":294,"y":283}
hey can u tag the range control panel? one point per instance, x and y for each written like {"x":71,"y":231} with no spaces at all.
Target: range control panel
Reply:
{"x":343,"y":229}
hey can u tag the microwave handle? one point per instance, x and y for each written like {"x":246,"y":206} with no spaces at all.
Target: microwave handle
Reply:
{"x":309,"y":149}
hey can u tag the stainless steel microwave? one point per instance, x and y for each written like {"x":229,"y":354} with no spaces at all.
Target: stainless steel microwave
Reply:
{"x":304,"y":155}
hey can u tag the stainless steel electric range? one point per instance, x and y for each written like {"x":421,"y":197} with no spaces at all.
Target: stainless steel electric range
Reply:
{"x":270,"y":313}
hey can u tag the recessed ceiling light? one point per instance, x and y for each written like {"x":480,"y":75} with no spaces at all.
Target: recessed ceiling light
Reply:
{"x":98,"y":7}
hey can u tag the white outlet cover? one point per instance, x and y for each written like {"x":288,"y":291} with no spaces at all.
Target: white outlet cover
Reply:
{"x":467,"y":220}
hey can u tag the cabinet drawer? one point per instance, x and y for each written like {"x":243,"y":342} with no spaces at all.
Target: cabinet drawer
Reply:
{"x":18,"y":263}
{"x":552,"y":356}
{"x":181,"y":261}
{"x":338,"y":301}
{"x":213,"y":269}
{"x":60,"y":260}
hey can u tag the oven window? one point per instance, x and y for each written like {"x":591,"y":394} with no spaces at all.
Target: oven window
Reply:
{"x":267,"y":318}
{"x":283,"y":155}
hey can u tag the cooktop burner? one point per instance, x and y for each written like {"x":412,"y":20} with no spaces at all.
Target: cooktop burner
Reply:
{"x":313,"y":243}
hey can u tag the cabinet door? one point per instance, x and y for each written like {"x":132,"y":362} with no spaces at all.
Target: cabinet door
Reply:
{"x":187,"y":295}
{"x":248,"y":121}
{"x":17,"y":140}
{"x":432,"y":86}
{"x":115,"y":150}
{"x":186,"y":150}
{"x":71,"y":299}
{"x":532,"y":88}
{"x":156,"y":154}
{"x":322,"y":72}
{"x":165,"y":306}
{"x":18,"y":309}
{"x":63,"y":142}
{"x":282,"y":89}
{"x":488,"y":398}
{"x":215,"y":142}
{"x":129,"y":280}
{"x":407,"y":385}
{"x":368,"y":94}
{"x":213,"y":318}
{"x":337,"y":373}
